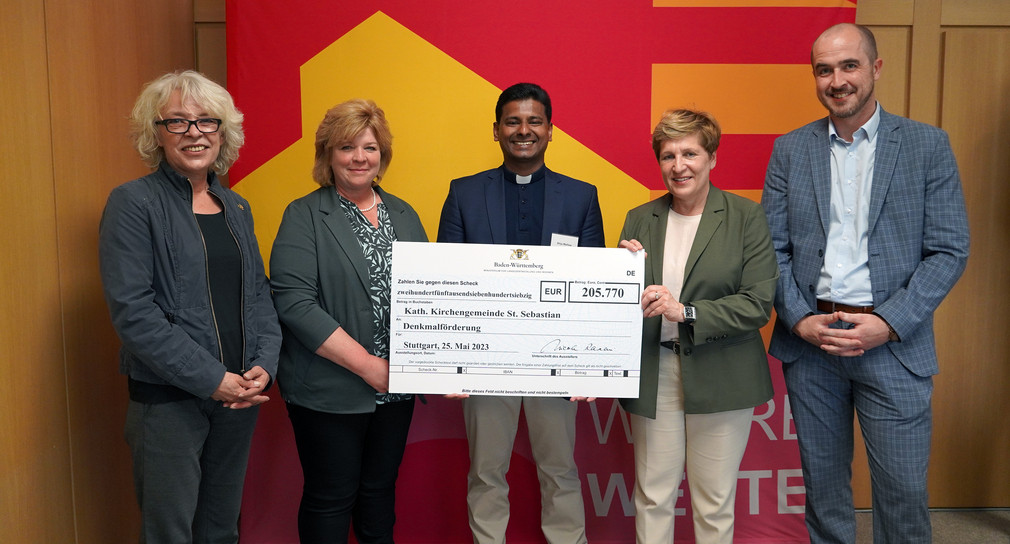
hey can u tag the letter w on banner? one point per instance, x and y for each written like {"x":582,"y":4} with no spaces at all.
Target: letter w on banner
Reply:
{"x":436,"y":68}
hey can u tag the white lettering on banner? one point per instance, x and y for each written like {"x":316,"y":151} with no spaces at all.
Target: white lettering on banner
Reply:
{"x":782,"y":490}
{"x":760,"y":419}
{"x":785,"y":490}
{"x":615,"y":485}
{"x":753,"y":478}
{"x":616,"y":411}
{"x":787,"y":419}
{"x":787,"y":432}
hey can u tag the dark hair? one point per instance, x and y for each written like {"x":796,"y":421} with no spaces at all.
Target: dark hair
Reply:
{"x":523,"y":91}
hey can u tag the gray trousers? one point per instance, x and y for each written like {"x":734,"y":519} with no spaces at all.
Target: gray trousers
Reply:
{"x":189,"y":462}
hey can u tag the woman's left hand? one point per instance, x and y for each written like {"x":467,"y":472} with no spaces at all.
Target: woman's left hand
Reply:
{"x":657,"y":300}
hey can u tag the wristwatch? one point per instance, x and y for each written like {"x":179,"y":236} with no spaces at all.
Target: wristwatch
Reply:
{"x":690,"y":314}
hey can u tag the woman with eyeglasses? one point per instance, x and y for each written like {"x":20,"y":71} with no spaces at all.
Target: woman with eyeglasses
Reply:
{"x":184,"y":282}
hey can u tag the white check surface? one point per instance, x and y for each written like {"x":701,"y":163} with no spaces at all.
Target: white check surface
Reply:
{"x":489,"y":319}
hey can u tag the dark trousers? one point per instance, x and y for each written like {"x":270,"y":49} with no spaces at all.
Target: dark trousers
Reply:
{"x":189,"y":462}
{"x":349,"y":463}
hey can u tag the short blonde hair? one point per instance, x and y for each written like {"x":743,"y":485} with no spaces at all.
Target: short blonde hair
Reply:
{"x":681,"y":123}
{"x":342,"y":124}
{"x":193,"y":86}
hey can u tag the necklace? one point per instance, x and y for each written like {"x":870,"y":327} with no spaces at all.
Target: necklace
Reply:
{"x":368,"y":209}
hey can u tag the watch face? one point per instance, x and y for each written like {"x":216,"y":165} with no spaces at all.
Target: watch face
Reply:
{"x":689,"y":314}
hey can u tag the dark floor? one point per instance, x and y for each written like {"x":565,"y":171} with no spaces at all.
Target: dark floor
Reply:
{"x":953,"y":527}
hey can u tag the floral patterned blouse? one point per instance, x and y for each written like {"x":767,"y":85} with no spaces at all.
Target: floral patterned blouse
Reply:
{"x":377,"y":246}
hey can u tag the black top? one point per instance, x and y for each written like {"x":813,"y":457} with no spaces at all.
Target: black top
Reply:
{"x":524,"y":208}
{"x":224,"y":274}
{"x":224,"y":277}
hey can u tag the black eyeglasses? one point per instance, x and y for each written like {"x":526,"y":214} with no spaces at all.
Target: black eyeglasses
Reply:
{"x":207,"y":125}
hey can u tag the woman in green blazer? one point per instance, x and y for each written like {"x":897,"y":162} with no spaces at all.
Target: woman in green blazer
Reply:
{"x":330,"y":273}
{"x":710,"y":275}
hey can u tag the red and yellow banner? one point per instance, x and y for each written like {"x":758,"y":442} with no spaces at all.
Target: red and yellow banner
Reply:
{"x":436,"y":68}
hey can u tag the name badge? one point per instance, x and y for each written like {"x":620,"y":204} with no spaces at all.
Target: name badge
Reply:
{"x":564,"y":240}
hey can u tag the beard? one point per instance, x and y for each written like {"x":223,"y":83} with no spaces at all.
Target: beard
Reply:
{"x":845,"y":113}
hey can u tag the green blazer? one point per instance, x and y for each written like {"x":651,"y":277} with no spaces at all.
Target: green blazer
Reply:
{"x":320,"y":282}
{"x":730,"y":278}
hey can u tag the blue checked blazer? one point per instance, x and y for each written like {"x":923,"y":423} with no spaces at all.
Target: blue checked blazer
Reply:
{"x":918,"y":232}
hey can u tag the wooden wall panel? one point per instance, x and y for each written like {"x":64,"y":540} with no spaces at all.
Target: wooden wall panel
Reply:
{"x":885,"y":12}
{"x":924,"y":74}
{"x":958,"y":79}
{"x":894,"y":45}
{"x":210,"y":42}
{"x":99,"y":60}
{"x":211,"y":48}
{"x":35,"y":487}
{"x":971,"y":466}
{"x":209,"y":11}
{"x":975,"y":13}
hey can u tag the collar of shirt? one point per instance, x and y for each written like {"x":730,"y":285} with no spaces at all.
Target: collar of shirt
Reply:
{"x":537,"y":176}
{"x":869,"y":128}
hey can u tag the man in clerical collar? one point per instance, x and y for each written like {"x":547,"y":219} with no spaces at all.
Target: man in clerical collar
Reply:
{"x":522,"y":203}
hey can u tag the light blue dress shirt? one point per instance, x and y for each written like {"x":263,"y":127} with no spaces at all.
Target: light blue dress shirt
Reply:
{"x":845,"y":277}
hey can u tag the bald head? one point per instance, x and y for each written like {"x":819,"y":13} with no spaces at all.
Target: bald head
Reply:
{"x":848,"y":31}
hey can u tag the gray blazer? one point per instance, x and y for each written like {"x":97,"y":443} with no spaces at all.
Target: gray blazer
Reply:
{"x":320,"y":282}
{"x":918,"y":232}
{"x":730,"y":278}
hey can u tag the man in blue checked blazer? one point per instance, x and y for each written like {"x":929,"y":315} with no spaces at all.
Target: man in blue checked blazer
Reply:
{"x":870,"y":232}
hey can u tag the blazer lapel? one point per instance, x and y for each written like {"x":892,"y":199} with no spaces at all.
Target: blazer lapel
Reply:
{"x":336,"y":222}
{"x":494,"y":199}
{"x":396,"y":214}
{"x":820,"y":166}
{"x":711,"y":219}
{"x":655,"y":238}
{"x":884,"y":161}
{"x":554,"y":206}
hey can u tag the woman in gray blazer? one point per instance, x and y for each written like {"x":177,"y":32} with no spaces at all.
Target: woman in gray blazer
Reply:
{"x":710,"y":275}
{"x":330,"y":273}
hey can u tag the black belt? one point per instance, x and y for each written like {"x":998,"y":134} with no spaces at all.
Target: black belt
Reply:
{"x":671,"y":345}
{"x":829,"y":307}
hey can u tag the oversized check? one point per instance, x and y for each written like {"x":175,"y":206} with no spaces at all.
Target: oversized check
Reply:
{"x":488,"y":319}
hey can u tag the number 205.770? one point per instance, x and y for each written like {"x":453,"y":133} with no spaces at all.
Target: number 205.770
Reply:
{"x":620,"y":293}
{"x":603,"y":292}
